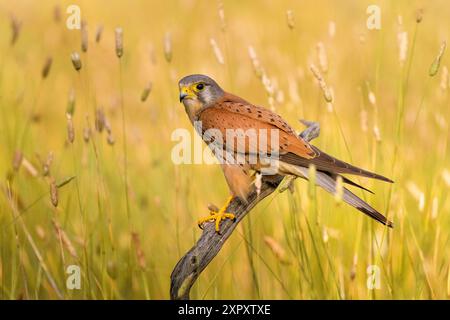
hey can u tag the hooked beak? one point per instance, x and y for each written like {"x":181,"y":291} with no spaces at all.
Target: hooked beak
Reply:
{"x":182,"y":96}
{"x":185,"y":92}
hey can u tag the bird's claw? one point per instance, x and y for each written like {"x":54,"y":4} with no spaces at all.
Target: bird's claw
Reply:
{"x":217,"y":216}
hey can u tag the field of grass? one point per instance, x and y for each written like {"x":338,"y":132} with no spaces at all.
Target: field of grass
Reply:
{"x":113,"y":203}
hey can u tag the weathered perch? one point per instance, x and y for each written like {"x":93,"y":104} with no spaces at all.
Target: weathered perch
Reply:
{"x":200,"y":255}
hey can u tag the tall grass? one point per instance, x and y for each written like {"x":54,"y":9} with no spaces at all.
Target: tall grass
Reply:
{"x":111,"y":201}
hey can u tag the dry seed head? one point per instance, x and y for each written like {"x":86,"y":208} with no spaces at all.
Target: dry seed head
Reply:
{"x":64,"y":239}
{"x":276,"y":249}
{"x":47,"y":67}
{"x":255,"y":62}
{"x":434,"y":208}
{"x":446,"y":177}
{"x":146,"y":91}
{"x":76,"y":61}
{"x":17,"y":160}
{"x":71,"y":102}
{"x":84,"y":36}
{"x":323,"y":86}
{"x":47,"y":164}
{"x":57,"y":13}
{"x":70,"y":128}
{"x":139,"y":252}
{"x":98,"y":33}
{"x":110,"y":139}
{"x":377,"y":133}
{"x":402,"y":41}
{"x":418,"y":194}
{"x":53,"y":193}
{"x":322,"y":57}
{"x":107,"y":126}
{"x":119,"y":41}
{"x":111,"y":269}
{"x":294,"y":94}
{"x":364,"y":121}
{"x":419,"y":15}
{"x":332,"y":29}
{"x":29,"y":167}
{"x":372,"y":98}
{"x":444,"y":78}
{"x":16,"y":25}
{"x":86,"y":134}
{"x":434,"y":68}
{"x":217,"y":51}
{"x":290,"y":19}
{"x":353,"y":269}
{"x":221,"y":12}
{"x":40,"y":232}
{"x":168,"y":47}
{"x":99,"y":120}
{"x":325,"y":236}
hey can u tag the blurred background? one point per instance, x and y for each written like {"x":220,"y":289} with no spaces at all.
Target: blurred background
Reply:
{"x":86,"y":172}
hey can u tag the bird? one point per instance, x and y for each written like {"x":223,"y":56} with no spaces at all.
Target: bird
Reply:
{"x":211,"y":109}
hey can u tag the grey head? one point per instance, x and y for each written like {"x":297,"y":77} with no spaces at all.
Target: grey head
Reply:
{"x":199,"y":91}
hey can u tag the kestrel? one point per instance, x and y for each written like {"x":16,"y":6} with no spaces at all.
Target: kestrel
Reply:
{"x":210,"y":108}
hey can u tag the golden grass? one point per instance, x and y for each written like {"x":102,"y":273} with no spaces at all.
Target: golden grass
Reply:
{"x":130,"y":213}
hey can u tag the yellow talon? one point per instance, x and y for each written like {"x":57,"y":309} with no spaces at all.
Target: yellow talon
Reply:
{"x":218,"y":216}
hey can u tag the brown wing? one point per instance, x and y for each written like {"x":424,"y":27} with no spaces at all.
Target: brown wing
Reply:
{"x":232,"y":112}
{"x":327,"y":163}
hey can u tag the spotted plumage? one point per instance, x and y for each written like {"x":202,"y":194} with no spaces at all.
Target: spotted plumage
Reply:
{"x":207,"y":103}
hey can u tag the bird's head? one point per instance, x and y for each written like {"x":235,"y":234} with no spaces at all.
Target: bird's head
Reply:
{"x":198,"y":91}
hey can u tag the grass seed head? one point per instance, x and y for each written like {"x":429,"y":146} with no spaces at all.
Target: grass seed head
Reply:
{"x":100,"y":120}
{"x":64,"y":239}
{"x":277,"y":249}
{"x":76,"y":61}
{"x":290,"y":19}
{"x":57,"y":14}
{"x":444,"y":84}
{"x":86,"y":134}
{"x":84,"y":36}
{"x":47,"y":67}
{"x":323,"y":86}
{"x":71,"y":102}
{"x":217,"y":51}
{"x":70,"y":128}
{"x":221,"y":12}
{"x":17,"y":160}
{"x":54,"y":193}
{"x":332,"y":29}
{"x":98,"y":33}
{"x":322,"y":57}
{"x":119,"y":42}
{"x":139,"y":252}
{"x":110,"y":139}
{"x":47,"y":164}
{"x":16,"y":25}
{"x":168,"y":47}
{"x":29,"y":167}
{"x":434,"y":68}
{"x":146,"y":91}
{"x":419,"y":15}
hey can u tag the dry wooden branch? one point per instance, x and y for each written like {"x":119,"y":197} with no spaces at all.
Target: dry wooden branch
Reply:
{"x":201,"y":254}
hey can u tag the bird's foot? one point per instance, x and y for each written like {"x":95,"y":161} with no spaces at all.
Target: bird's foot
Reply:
{"x":217,"y":216}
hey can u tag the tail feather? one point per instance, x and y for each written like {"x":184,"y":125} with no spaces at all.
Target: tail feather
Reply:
{"x":348,"y":181}
{"x":325,"y":162}
{"x":325,"y":181}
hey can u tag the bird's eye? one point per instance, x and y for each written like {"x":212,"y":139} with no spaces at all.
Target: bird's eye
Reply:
{"x":200,"y":86}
